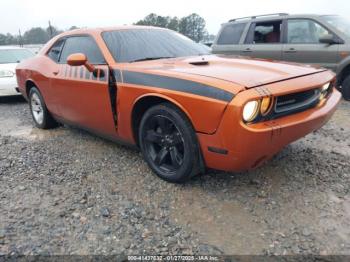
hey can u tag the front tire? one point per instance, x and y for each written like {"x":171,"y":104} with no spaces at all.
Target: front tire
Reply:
{"x":41,"y":116}
{"x":346,"y":88}
{"x":169,"y":144}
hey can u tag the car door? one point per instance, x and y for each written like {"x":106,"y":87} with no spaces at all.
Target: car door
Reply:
{"x":303,"y":45}
{"x":53,"y":69}
{"x":83,"y":97}
{"x":264,"y":40}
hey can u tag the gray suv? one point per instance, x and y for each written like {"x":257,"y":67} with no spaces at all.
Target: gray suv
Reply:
{"x":313,"y":39}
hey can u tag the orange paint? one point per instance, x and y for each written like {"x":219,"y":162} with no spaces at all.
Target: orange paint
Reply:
{"x":75,"y":95}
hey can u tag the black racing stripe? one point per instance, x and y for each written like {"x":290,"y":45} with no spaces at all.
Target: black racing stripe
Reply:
{"x":118,"y":75}
{"x":94,"y":75}
{"x":176,"y":84}
{"x":102,"y":75}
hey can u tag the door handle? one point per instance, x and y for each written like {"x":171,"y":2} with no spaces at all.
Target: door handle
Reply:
{"x":56,"y":72}
{"x":290,"y":50}
{"x":247,"y":50}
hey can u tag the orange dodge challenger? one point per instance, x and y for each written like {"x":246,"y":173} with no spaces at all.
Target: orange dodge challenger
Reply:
{"x":184,"y":108}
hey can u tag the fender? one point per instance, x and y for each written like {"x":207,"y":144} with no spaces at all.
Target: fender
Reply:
{"x":165,"y":98}
{"x":25,"y":90}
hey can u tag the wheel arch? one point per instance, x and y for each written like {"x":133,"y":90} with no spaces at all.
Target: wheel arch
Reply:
{"x":143,"y":103}
{"x":28,"y":85}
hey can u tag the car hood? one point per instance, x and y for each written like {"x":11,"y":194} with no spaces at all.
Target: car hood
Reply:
{"x":245,"y":72}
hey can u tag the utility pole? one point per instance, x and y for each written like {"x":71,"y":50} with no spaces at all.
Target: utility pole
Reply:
{"x":20,"y":38}
{"x":50,"y":29}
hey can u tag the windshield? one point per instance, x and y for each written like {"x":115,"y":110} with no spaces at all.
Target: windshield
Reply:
{"x":8,"y":56}
{"x":147,"y":44}
{"x":340,"y":23}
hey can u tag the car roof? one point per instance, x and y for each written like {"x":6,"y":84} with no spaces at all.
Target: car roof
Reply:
{"x":113,"y":28}
{"x":277,"y":16}
{"x":94,"y":31}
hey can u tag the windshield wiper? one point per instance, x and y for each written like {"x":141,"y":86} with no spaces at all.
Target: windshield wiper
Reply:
{"x":150,"y":58}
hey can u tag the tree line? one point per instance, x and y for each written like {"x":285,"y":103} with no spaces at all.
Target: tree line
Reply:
{"x":192,"y":26}
{"x":35,"y":35}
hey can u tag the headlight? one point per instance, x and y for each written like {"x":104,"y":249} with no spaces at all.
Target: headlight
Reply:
{"x":325,"y":87}
{"x":6,"y":73}
{"x":250,"y":111}
{"x":324,"y":90}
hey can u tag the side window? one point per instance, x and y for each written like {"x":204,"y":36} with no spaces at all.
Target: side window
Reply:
{"x":55,"y":50}
{"x":231,"y":34}
{"x":264,"y":33}
{"x":304,"y":31}
{"x":85,"y":45}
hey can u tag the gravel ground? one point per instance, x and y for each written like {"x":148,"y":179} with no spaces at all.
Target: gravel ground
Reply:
{"x":65,"y":191}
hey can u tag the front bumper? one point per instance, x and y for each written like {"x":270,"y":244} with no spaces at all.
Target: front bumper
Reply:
{"x":246,"y":147}
{"x":8,"y":86}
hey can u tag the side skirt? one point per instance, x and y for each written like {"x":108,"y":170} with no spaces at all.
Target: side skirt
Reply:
{"x":97,"y":133}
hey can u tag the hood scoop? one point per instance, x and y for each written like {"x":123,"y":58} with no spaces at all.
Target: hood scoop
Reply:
{"x":200,"y":63}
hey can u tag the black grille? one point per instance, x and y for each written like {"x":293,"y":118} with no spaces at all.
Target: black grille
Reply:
{"x":297,"y":101}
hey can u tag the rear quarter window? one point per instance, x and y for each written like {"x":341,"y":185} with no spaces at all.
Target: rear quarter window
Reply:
{"x":231,"y":34}
{"x":55,"y":50}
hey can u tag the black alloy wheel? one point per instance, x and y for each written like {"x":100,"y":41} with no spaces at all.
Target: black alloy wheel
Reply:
{"x":168,"y":143}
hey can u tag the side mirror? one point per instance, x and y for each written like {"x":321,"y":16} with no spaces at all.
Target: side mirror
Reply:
{"x":328,"y":39}
{"x":80,"y":59}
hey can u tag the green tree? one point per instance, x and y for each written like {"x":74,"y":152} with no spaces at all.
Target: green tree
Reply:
{"x":36,"y":35}
{"x":53,"y":31}
{"x":155,"y":20}
{"x":173,"y":23}
{"x":150,"y":20}
{"x":193,"y":26}
{"x":3,"y":39}
{"x":10,"y":39}
{"x":160,"y":21}
{"x":73,"y":27}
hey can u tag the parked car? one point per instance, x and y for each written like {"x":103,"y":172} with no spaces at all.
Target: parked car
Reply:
{"x":185,"y":109}
{"x":10,"y":56}
{"x":313,"y":39}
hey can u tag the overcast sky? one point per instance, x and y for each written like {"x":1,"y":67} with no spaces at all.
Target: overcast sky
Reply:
{"x":25,"y":14}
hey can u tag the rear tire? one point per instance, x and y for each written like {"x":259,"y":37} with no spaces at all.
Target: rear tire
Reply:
{"x":169,"y":144}
{"x":346,"y":88}
{"x":41,"y":116}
